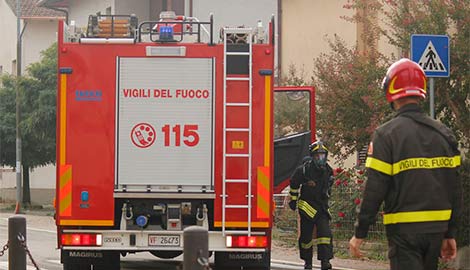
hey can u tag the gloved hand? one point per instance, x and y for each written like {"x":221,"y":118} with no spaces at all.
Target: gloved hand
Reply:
{"x":293,"y":205}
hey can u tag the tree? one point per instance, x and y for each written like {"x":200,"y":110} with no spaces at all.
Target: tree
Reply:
{"x":351,"y":76}
{"x":448,"y":18}
{"x":38,"y":117}
{"x":342,"y":75}
{"x":350,"y":103}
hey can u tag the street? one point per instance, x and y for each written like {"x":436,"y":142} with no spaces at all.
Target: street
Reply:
{"x":41,"y":241}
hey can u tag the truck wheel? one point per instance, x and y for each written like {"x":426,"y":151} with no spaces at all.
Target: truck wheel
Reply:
{"x":166,"y":254}
{"x":73,"y":266}
{"x":242,"y":260}
{"x":112,"y":263}
{"x":113,"y":266}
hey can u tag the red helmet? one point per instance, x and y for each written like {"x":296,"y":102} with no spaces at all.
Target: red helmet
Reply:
{"x":404,"y":78}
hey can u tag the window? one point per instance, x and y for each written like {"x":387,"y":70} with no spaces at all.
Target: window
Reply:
{"x":108,"y":11}
{"x":291,"y":113}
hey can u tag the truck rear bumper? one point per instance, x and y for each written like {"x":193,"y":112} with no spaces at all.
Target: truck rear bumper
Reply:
{"x":136,"y":241}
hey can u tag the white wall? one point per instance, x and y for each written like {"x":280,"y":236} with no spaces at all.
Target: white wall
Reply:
{"x":39,"y":178}
{"x":38,"y":36}
{"x":235,"y":13}
{"x":41,"y":183}
{"x":139,"y":8}
{"x":306,"y":25}
{"x":384,"y":46}
{"x":8,"y":30}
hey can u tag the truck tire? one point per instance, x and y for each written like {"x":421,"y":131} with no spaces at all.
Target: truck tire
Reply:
{"x":113,"y":262}
{"x":243,"y":260}
{"x":113,"y":266}
{"x":166,"y":254}
{"x":74,"y":266}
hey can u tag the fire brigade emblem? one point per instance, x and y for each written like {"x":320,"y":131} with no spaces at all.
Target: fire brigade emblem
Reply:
{"x":143,"y":135}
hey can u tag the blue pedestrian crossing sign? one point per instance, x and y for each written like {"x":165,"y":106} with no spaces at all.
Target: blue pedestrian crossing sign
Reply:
{"x":431,"y":52}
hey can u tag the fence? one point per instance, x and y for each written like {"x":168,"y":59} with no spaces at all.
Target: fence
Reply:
{"x":342,"y":228}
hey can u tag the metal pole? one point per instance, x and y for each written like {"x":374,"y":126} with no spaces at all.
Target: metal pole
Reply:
{"x":196,"y":248}
{"x":18,"y":135}
{"x":431,"y":98}
{"x":16,"y":252}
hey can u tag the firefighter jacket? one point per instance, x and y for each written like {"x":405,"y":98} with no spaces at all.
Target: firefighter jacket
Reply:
{"x":412,"y":166}
{"x":315,"y":188}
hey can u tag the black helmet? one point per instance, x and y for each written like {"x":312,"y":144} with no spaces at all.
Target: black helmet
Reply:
{"x":319,"y":153}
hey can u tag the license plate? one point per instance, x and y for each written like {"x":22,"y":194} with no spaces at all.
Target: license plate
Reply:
{"x":164,"y":240}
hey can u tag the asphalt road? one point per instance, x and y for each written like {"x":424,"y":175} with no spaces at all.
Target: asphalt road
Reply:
{"x":41,"y":241}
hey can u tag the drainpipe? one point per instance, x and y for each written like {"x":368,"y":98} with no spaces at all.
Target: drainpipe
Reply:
{"x":279,"y":41}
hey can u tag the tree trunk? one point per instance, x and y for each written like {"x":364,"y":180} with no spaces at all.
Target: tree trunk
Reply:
{"x":26,"y":189}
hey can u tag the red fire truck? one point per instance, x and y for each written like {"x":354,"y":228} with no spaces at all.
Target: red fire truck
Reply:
{"x":160,"y":127}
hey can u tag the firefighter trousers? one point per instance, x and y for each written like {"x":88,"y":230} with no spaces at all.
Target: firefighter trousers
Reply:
{"x":419,"y":251}
{"x":324,"y":238}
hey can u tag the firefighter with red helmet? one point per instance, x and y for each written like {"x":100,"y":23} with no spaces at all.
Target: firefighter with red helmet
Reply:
{"x":411,"y":166}
{"x":314,"y":179}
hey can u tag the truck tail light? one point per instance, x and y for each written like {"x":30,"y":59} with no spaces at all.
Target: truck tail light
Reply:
{"x":244,"y":241}
{"x":82,"y":239}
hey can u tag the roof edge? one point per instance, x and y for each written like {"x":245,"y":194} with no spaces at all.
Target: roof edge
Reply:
{"x":42,"y":18}
{"x":52,"y":3}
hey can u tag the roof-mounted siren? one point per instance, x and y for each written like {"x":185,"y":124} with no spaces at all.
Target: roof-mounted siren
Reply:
{"x":112,"y":26}
{"x":172,"y":28}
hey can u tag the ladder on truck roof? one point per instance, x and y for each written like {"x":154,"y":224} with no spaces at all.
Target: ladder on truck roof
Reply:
{"x":237,"y":46}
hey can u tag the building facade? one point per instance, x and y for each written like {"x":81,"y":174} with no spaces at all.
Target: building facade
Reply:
{"x":303,"y":28}
{"x":38,"y":28}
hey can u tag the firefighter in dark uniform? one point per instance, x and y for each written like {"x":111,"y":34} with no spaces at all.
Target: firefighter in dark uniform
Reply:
{"x":411,"y":166}
{"x":314,"y":179}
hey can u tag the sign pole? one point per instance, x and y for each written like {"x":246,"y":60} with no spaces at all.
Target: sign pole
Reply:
{"x":432,"y":53}
{"x":18,"y":131}
{"x":431,"y":98}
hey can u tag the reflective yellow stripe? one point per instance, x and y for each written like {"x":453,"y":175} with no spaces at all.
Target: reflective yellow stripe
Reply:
{"x":294,"y":198}
{"x":323,"y":241}
{"x":379,"y":165}
{"x":267,"y":121}
{"x":417,"y":216}
{"x":242,"y":224}
{"x":294,"y":190}
{"x":86,"y":222}
{"x":412,"y":163}
{"x":426,"y":163}
{"x":263,"y":192}
{"x":306,"y":245}
{"x":309,"y":210}
{"x":63,"y":118}
{"x":318,"y":146}
{"x":65,"y":190}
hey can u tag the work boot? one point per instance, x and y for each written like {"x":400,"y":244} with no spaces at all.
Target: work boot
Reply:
{"x":308,"y":265}
{"x":325,"y":265}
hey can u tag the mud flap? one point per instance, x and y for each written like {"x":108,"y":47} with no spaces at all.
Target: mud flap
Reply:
{"x":235,"y":260}
{"x":88,"y":257}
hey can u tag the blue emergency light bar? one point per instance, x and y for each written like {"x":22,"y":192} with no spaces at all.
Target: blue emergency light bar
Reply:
{"x":166,"y":33}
